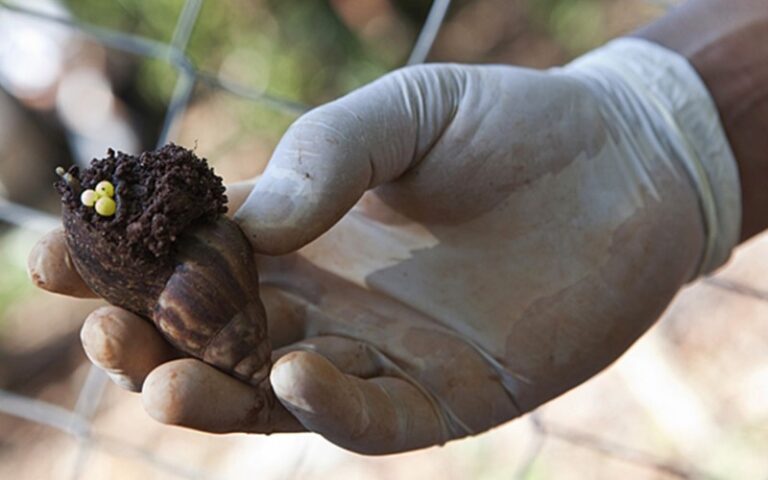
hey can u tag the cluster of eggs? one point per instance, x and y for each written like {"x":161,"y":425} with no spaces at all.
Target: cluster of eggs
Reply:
{"x":100,"y":198}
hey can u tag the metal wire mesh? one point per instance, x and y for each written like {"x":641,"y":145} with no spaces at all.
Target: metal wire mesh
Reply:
{"x":77,"y":421}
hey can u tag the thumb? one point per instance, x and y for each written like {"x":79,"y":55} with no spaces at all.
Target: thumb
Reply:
{"x":330,"y":156}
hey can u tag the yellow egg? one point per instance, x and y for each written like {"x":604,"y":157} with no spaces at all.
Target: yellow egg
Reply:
{"x":105,"y":188}
{"x":89,"y":198}
{"x":105,"y":207}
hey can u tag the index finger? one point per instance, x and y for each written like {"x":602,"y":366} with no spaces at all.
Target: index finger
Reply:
{"x":50,"y":267}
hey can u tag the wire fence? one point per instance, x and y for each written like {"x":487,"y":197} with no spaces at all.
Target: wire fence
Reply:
{"x":77,"y":422}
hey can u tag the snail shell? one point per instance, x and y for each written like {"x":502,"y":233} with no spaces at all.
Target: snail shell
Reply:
{"x":203,"y":297}
{"x":210,"y":305}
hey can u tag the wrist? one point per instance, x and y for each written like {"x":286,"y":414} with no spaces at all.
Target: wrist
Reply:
{"x":667,"y":125}
{"x":723,"y":40}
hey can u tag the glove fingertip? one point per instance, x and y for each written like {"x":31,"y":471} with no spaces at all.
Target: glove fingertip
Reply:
{"x":269,"y":234}
{"x":317,"y":393}
{"x":50,"y":267}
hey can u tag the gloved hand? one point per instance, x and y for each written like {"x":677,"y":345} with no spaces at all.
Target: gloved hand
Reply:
{"x":520,"y":230}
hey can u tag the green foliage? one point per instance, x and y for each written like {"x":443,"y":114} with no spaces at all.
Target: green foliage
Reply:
{"x":155,"y":19}
{"x":294,"y":49}
{"x":301,"y":48}
{"x":14,"y":284}
{"x":156,"y":80}
{"x":577,"y":25}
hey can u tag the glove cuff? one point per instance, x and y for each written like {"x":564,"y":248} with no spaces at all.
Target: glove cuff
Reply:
{"x":646,"y":79}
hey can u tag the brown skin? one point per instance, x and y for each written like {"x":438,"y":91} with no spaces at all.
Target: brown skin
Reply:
{"x":725,"y":40}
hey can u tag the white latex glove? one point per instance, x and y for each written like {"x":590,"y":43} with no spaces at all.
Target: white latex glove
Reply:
{"x":520,"y":231}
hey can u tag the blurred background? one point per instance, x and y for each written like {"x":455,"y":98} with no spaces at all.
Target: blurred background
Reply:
{"x":690,"y":399}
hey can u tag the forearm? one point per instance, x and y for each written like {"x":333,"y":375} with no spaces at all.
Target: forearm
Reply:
{"x":727,"y":42}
